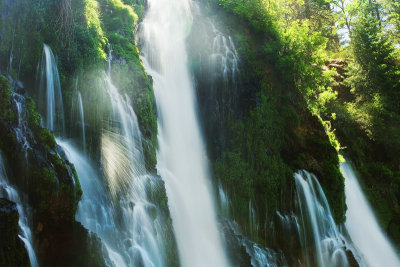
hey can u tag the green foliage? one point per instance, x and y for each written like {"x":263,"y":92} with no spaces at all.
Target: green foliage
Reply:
{"x":285,"y":50}
{"x":118,"y":18}
{"x":375,"y":69}
{"x":367,"y":111}
{"x":6,"y":112}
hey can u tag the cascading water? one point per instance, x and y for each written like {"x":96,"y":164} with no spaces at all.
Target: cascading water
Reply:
{"x":50,"y":97}
{"x":9,"y":192}
{"x":322,"y":243}
{"x":139,"y":238}
{"x":224,"y":57}
{"x":129,"y":225}
{"x":259,"y":257}
{"x":22,"y":131}
{"x":182,"y":160}
{"x":363,"y":227}
{"x":95,"y":210}
{"x":82,"y":117}
{"x":123,"y":162}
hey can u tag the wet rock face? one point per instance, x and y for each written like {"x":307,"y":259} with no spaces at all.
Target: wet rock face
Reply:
{"x":38,"y":165}
{"x":12,"y":249}
{"x":40,"y":170}
{"x":8,"y":221}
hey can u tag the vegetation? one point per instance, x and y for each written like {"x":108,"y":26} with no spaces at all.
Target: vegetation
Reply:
{"x":318,"y":78}
{"x":346,"y":74}
{"x":81,"y":34}
{"x":272,"y":128}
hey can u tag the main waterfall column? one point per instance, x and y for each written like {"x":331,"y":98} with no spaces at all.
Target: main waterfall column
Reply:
{"x":182,"y":160}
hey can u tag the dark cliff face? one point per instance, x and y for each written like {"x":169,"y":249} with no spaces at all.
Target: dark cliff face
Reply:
{"x":257,"y":126}
{"x":12,"y":249}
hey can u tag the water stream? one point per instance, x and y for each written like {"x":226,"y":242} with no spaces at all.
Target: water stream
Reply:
{"x":182,"y":160}
{"x":117,"y":209}
{"x":50,"y":97}
{"x":322,"y":243}
{"x":363,"y":227}
{"x":9,"y":192}
{"x":82,"y":117}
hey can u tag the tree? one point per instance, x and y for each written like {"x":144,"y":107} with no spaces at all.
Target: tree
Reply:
{"x":375,"y":69}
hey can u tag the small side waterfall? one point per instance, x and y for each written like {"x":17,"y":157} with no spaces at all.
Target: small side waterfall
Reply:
{"x":22,"y":131}
{"x":258,"y":256}
{"x":322,"y":243}
{"x":95,"y":210}
{"x":82,"y":117}
{"x":118,"y":209}
{"x":363,"y":227}
{"x":50,"y":97}
{"x":9,"y":192}
{"x":123,"y":162}
{"x":182,"y":160}
{"x":224,"y":57}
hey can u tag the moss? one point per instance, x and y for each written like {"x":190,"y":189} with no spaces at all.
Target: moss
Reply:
{"x":118,"y":17}
{"x":46,"y":185}
{"x":93,"y":23}
{"x":129,"y":74}
{"x":45,"y":137}
{"x":34,"y":118}
{"x":261,"y":128}
{"x":6,"y":112}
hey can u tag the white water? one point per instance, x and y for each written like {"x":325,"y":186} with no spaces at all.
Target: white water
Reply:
{"x":317,"y":227}
{"x":9,"y":192}
{"x":119,"y":214}
{"x":259,"y":257}
{"x":94,"y":210}
{"x":363,"y":227}
{"x":82,"y":116}
{"x":225,"y":57}
{"x":123,"y":162}
{"x":22,"y":131}
{"x":50,"y":92}
{"x":182,"y":160}
{"x":117,"y":209}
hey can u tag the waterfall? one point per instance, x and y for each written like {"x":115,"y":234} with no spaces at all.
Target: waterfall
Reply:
{"x":182,"y":160}
{"x":82,"y":116}
{"x":50,"y":97}
{"x":259,"y":257}
{"x":10,"y":193}
{"x":129,"y":225}
{"x":95,"y":210}
{"x":363,"y":227}
{"x":123,"y":161}
{"x":322,"y":243}
{"x":224,"y":202}
{"x":224,"y":56}
{"x":22,"y":130}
